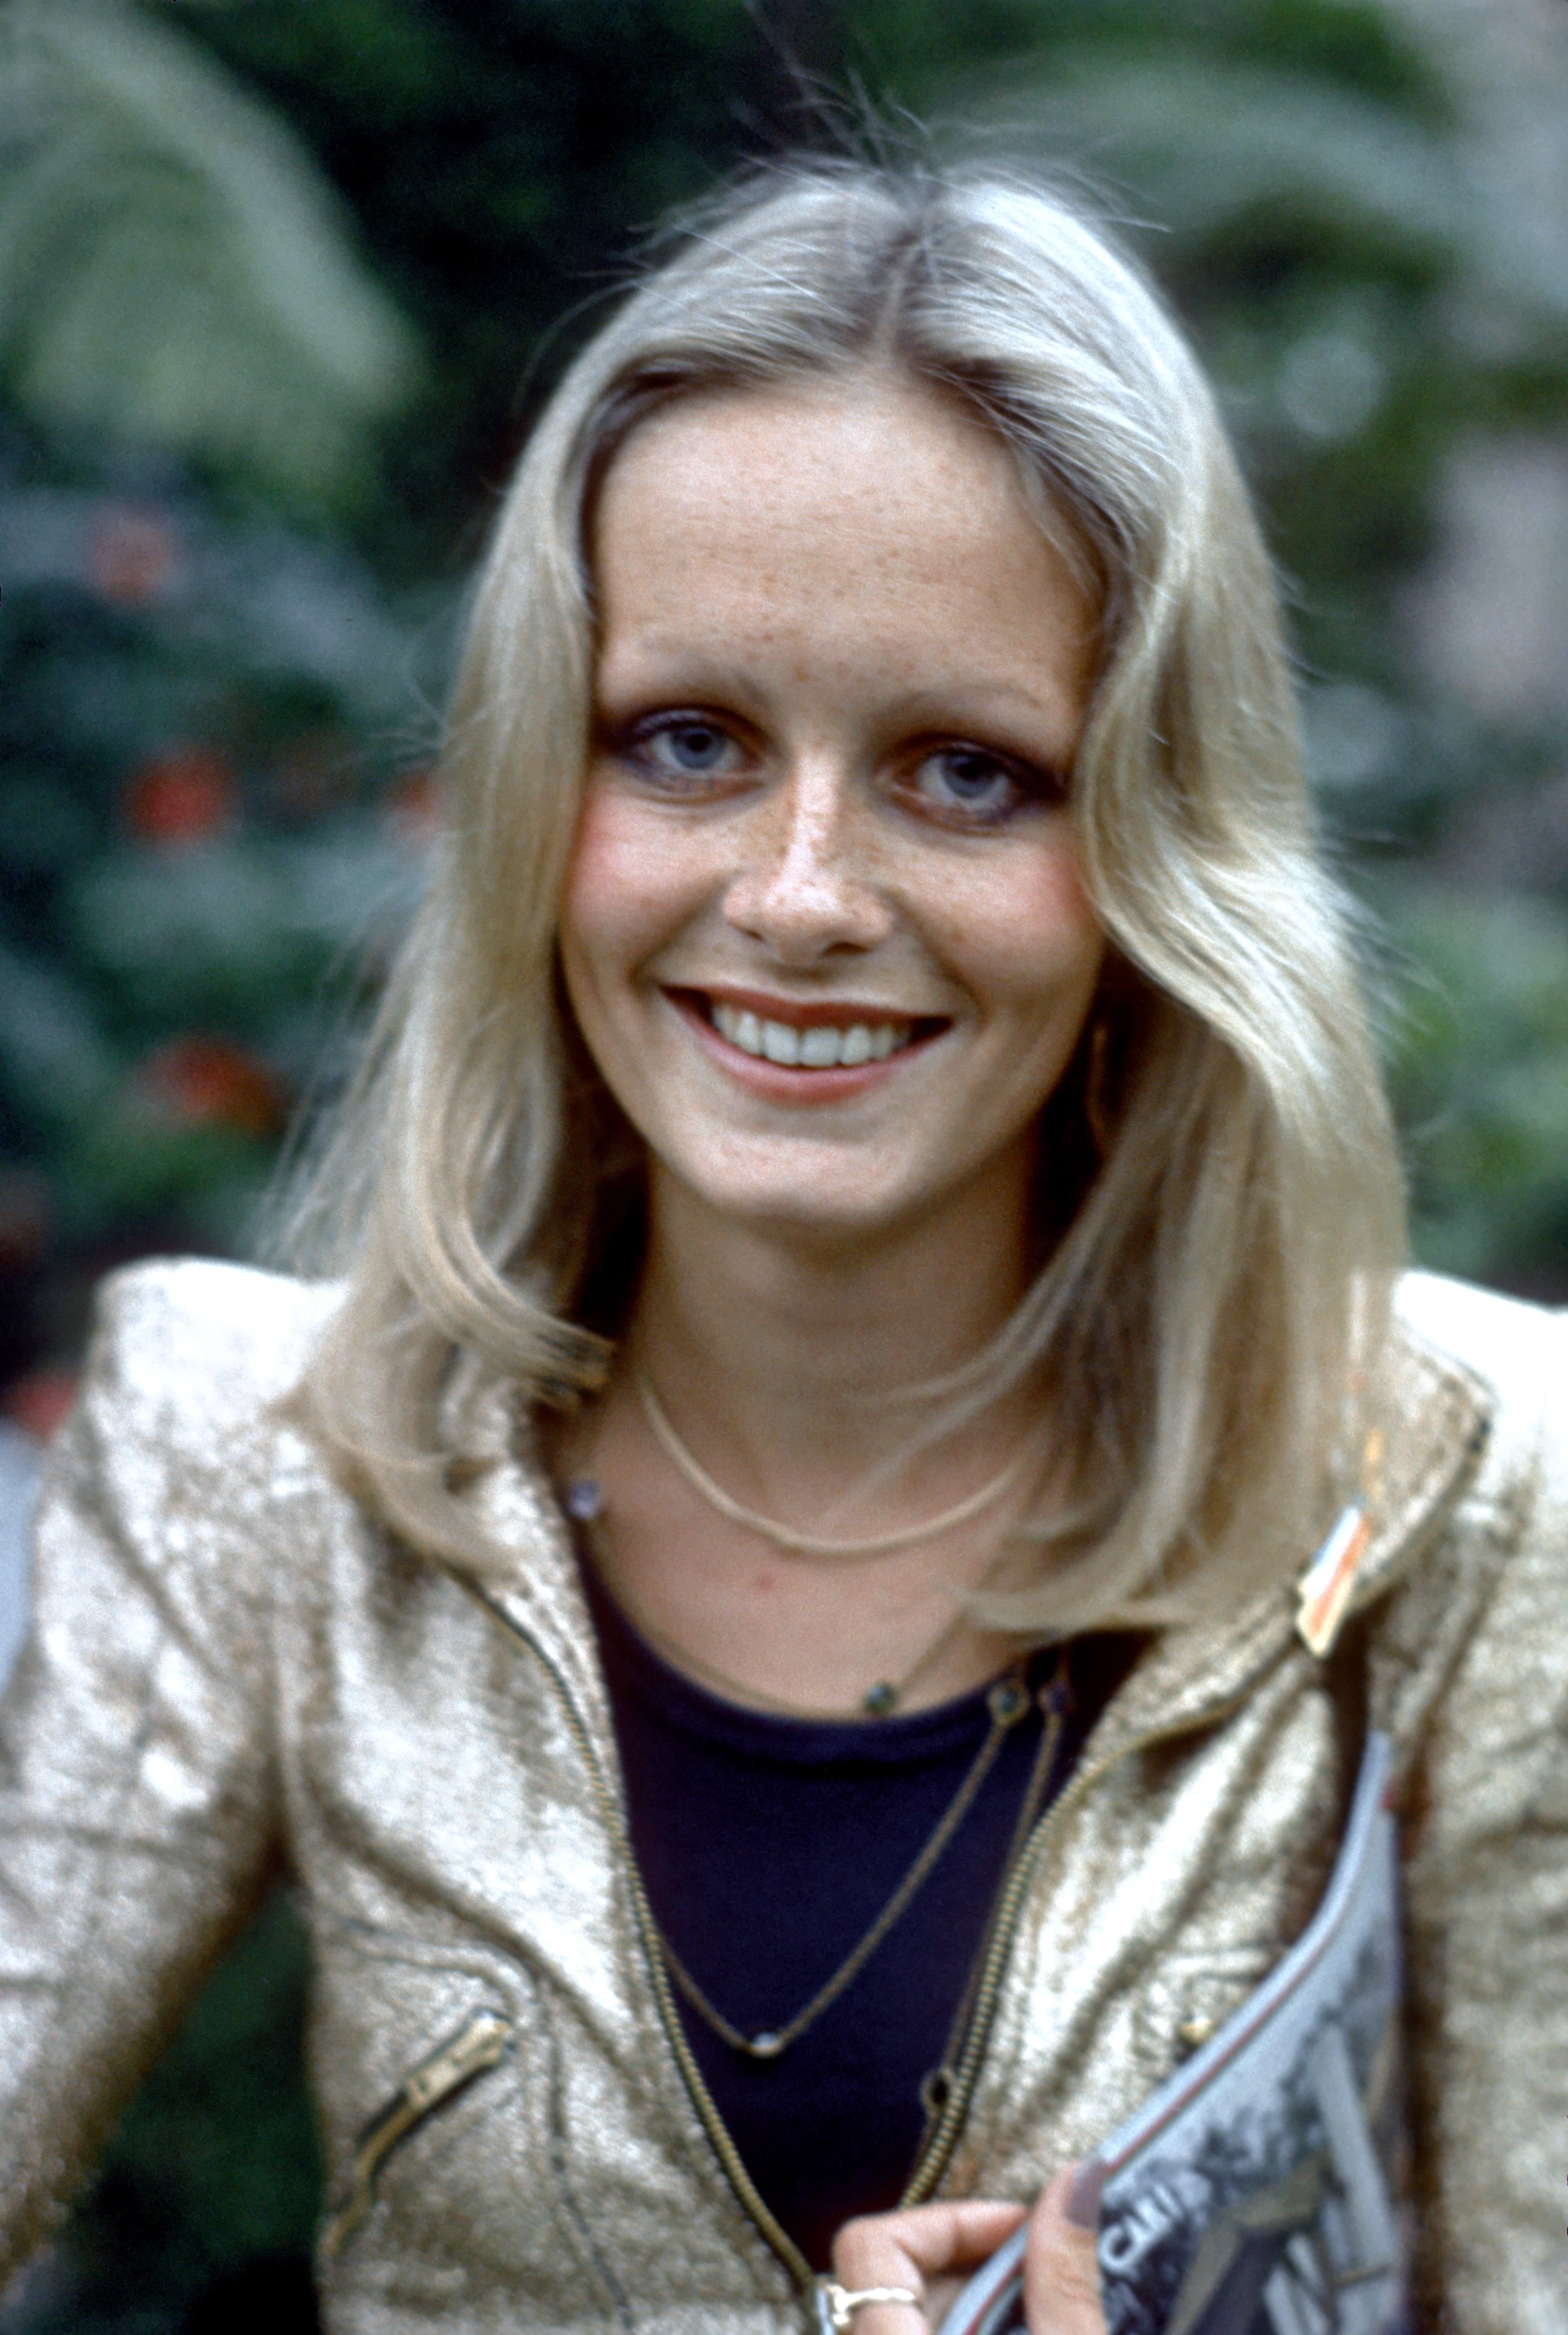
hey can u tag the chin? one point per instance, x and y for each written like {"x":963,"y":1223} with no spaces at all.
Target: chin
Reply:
{"x":823,"y":1214}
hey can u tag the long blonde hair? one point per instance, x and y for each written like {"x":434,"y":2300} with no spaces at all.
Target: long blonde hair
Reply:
{"x":1205,"y":1319}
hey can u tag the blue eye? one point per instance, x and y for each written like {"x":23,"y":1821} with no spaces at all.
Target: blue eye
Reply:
{"x":688,"y":747}
{"x":972,"y":777}
{"x":969,"y":782}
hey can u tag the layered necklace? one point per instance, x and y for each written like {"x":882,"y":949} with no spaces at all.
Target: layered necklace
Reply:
{"x":1008,"y":1701}
{"x":585,"y":1500}
{"x":785,"y":1536}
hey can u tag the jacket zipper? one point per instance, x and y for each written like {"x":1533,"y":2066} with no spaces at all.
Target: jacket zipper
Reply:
{"x":713,"y":2123}
{"x":937,"y":2150}
{"x":937,"y":2147}
{"x":476,"y":2046}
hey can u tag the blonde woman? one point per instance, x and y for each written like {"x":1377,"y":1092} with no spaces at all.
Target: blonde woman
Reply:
{"x":757,"y":1605}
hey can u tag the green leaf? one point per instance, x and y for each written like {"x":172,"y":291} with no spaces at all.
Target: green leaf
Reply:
{"x":174,"y":269}
{"x":1212,"y":147}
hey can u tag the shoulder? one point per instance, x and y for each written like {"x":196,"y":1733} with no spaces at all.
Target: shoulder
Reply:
{"x":222,"y":1341}
{"x":200,"y":1350}
{"x":1503,"y":1338}
{"x":1474,"y":1669}
{"x":182,"y":1415}
{"x":179,"y":1497}
{"x":1516,"y":1355}
{"x":1474,"y":1640}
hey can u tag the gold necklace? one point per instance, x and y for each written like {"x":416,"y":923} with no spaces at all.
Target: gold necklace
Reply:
{"x":1006,"y":1702}
{"x":785,"y":1536}
{"x":583,"y":1499}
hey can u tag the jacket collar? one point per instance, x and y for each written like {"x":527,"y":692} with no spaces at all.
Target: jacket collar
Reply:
{"x":539,"y":1594}
{"x":1437,"y":1417}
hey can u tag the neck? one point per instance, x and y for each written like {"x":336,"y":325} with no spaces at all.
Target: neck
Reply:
{"x":786,"y":1350}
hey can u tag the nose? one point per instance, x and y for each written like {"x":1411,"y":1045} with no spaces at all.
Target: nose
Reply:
{"x":808,"y":884}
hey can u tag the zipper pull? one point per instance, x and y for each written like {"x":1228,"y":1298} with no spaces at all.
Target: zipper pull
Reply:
{"x":479,"y":2045}
{"x":476,"y":2046}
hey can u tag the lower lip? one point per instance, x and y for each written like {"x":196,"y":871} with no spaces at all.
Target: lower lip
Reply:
{"x":776,"y":1082}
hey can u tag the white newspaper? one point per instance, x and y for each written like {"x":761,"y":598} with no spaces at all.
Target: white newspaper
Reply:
{"x":1254,"y":2194}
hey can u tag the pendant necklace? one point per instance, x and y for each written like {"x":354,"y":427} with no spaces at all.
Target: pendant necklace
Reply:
{"x":584,"y":1499}
{"x":1007,"y":1702}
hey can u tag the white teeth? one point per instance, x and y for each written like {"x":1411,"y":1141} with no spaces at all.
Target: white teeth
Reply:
{"x":822,"y":1047}
{"x":781,"y":1044}
{"x":742,"y":1029}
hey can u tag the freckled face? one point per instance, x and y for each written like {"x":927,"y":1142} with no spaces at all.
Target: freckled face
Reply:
{"x":824,"y":930}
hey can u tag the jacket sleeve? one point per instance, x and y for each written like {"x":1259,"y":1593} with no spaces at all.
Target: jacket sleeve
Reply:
{"x":1487,"y":1886}
{"x":137,"y":1788}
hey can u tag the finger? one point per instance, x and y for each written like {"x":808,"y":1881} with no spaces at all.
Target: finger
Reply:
{"x":913,"y":2247}
{"x":1061,"y":2290}
{"x":926,"y":2240}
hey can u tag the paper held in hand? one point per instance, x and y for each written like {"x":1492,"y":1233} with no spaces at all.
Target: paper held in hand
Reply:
{"x":1253,"y":2194}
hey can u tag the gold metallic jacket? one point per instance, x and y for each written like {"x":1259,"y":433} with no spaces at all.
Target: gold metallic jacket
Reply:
{"x":232,"y":1674}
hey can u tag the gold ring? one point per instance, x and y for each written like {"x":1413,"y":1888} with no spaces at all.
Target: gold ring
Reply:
{"x":844,"y":2301}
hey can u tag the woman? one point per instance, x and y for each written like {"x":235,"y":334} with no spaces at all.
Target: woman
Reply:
{"x":760,"y":1613}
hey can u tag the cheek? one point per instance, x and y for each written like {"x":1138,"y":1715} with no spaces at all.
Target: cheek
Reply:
{"x":1027,"y":935}
{"x":616,"y":907}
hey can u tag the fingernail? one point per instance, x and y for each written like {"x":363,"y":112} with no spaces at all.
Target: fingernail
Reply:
{"x":1082,"y":2204}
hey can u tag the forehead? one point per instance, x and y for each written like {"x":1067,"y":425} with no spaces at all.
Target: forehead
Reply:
{"x":876,"y":501}
{"x":787,"y":433}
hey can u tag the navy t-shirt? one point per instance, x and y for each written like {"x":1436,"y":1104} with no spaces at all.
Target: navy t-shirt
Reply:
{"x":768,"y":1845}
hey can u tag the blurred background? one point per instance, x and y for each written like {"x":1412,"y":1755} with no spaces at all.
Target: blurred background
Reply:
{"x":282,"y":282}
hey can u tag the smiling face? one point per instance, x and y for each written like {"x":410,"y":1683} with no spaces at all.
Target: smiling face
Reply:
{"x":824,"y":931}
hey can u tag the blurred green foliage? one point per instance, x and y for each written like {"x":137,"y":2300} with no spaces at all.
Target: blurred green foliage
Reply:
{"x":201,"y":2218}
{"x":172,"y":270}
{"x":282,"y":283}
{"x":1479,"y":1057}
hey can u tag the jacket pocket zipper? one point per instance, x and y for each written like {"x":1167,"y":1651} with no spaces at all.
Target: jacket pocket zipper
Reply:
{"x":476,"y":2046}
{"x":745,"y":2189}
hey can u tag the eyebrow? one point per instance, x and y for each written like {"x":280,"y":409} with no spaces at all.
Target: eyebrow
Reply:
{"x":938,"y":698}
{"x":678,"y":673}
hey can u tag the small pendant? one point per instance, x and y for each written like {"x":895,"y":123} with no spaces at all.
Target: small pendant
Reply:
{"x":1007,"y":1702}
{"x":584,"y":1499}
{"x":880,"y":1700}
{"x":766,"y":2045}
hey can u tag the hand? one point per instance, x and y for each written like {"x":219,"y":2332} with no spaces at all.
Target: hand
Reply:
{"x":931,"y":2249}
{"x":1062,"y":2291}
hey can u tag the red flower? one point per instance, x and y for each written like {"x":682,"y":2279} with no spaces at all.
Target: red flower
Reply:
{"x":181,"y":796}
{"x":131,"y":555}
{"x":413,"y":810}
{"x":210,"y":1082}
{"x":39,"y":1401}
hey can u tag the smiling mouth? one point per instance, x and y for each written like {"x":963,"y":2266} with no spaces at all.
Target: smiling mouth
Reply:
{"x":820,"y":1041}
